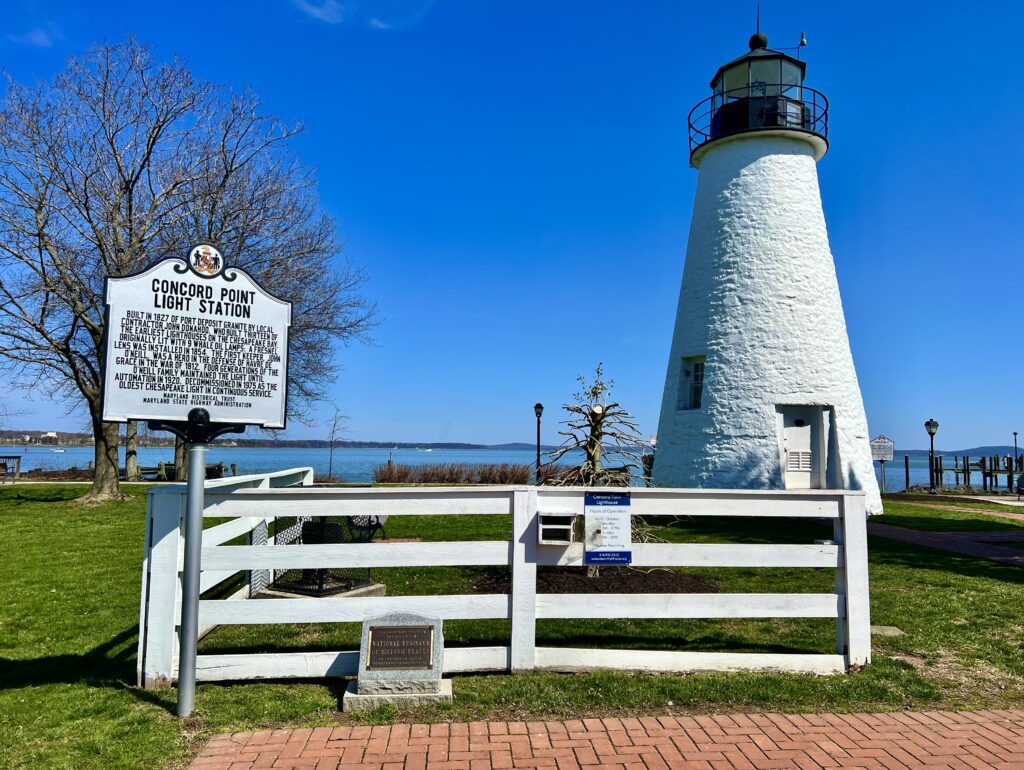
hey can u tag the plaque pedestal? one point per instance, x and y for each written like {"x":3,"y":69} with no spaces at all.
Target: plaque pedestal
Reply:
{"x":401,"y":658}
{"x":353,"y":701}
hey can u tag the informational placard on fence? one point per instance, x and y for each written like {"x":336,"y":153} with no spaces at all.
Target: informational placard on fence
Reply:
{"x":607,"y":528}
{"x":882,"y":448}
{"x":188,"y":334}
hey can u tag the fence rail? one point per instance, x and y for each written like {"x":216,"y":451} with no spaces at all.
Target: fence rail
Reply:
{"x":252,"y":503}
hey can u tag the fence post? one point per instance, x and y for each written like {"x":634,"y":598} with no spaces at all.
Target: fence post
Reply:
{"x":854,"y":638}
{"x":522,"y":656}
{"x":161,"y":588}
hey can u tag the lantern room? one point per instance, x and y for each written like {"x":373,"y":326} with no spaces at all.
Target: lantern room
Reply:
{"x":761,"y":90}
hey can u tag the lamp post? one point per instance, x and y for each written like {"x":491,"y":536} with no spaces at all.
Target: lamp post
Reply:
{"x":932,"y":427}
{"x":538,"y":409}
{"x":1016,"y":456}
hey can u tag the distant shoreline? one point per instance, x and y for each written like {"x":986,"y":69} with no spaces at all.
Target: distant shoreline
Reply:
{"x":260,"y":443}
{"x":15,"y":438}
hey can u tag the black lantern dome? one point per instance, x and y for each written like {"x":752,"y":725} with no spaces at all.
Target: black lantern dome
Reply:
{"x":762,"y":90}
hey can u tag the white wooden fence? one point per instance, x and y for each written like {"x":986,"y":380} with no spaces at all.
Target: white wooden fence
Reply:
{"x":253,"y":501}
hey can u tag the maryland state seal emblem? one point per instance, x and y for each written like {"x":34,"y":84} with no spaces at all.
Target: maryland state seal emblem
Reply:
{"x":206,"y":260}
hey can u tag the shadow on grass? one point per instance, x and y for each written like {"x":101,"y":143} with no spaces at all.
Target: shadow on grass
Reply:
{"x":753,"y":530}
{"x":895,"y":553}
{"x":42,"y":494}
{"x":703,"y":643}
{"x":110,"y":665}
{"x":923,"y":523}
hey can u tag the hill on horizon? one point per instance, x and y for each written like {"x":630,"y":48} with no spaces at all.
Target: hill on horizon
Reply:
{"x":978,"y":451}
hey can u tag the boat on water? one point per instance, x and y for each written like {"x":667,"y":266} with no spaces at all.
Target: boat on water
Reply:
{"x":58,"y":450}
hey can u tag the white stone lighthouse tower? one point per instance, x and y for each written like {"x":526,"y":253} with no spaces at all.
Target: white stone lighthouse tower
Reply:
{"x":761,"y":391}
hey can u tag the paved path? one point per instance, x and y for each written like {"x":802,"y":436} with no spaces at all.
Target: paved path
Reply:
{"x":930,"y":739}
{"x":1000,"y":499}
{"x":983,"y":545}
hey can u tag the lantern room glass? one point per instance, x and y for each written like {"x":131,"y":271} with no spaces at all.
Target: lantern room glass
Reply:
{"x":758,"y":76}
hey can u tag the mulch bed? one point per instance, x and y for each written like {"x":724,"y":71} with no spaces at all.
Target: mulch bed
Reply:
{"x":611,"y":580}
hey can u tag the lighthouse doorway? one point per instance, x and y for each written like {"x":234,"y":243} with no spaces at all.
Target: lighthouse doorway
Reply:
{"x":802,"y":447}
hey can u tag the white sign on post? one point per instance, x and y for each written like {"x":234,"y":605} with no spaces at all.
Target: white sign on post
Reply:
{"x":608,"y":534}
{"x":183,"y":335}
{"x":882,"y":448}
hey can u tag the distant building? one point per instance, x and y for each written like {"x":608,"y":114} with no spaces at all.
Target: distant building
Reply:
{"x":761,"y":391}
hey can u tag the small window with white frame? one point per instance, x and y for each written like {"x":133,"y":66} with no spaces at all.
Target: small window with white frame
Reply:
{"x":691,"y":383}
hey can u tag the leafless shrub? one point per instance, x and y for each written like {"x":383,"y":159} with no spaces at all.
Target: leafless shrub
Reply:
{"x":553,"y":473}
{"x":446,"y":473}
{"x":505,"y":473}
{"x":394,"y":473}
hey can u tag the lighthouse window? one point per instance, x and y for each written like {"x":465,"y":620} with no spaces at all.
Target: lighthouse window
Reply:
{"x":790,"y":79}
{"x":691,"y":383}
{"x":764,"y":78}
{"x":736,"y":82}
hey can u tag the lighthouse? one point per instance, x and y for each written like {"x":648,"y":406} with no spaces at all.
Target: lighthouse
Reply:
{"x":761,"y":390}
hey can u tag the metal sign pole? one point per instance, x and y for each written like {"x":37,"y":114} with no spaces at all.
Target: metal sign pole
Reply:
{"x":222,"y":311}
{"x":197,"y":433}
{"x":189,"y":634}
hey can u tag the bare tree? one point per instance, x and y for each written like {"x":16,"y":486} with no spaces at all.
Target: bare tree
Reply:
{"x":600,"y":428}
{"x":334,"y":427}
{"x":120,"y":161}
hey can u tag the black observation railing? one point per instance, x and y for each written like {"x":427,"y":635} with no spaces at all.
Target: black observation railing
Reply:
{"x":758,"y":107}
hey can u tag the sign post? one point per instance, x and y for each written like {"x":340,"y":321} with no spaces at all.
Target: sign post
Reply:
{"x":882,"y":450}
{"x":198,"y":349}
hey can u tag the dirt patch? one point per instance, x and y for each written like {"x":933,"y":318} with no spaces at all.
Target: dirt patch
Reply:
{"x":611,"y":580}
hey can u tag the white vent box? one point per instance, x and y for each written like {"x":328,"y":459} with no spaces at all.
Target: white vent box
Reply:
{"x":556,"y":528}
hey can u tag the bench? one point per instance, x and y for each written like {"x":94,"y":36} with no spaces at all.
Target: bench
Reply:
{"x":166,"y":472}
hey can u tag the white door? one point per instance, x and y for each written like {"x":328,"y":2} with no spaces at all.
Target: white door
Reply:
{"x":802,"y":453}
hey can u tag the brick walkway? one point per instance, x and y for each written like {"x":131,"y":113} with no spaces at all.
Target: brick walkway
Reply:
{"x":930,"y":739}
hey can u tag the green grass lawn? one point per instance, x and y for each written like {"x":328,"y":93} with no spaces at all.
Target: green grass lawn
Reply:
{"x":948,"y":519}
{"x":68,"y":636}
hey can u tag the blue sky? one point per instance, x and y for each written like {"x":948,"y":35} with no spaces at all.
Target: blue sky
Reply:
{"x":514,"y":177}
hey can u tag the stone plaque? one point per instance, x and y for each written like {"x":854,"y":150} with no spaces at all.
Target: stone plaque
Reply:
{"x":401,"y":653}
{"x":400,"y":647}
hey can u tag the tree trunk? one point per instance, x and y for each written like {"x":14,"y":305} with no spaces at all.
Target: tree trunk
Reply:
{"x":180,"y":459}
{"x":105,"y":486}
{"x":131,"y":451}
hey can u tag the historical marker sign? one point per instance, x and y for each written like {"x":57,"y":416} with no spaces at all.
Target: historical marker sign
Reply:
{"x":882,"y":448}
{"x":608,"y":531}
{"x":400,"y":647}
{"x":188,"y":334}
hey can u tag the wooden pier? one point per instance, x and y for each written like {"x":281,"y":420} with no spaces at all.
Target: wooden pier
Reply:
{"x":994,"y":471}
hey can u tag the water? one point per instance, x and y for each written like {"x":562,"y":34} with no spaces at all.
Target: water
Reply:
{"x":895,"y":473}
{"x":350,"y":464}
{"x":357,"y":465}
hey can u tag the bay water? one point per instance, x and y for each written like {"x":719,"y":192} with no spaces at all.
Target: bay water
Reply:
{"x":356,"y":465}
